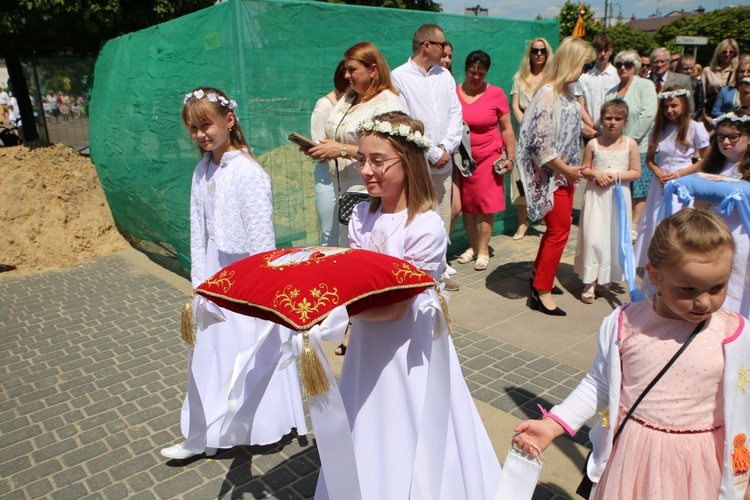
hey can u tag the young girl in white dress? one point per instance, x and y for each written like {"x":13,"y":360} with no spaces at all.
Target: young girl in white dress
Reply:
{"x":401,"y":382}
{"x":678,"y":139}
{"x":687,"y":438}
{"x":234,"y":398}
{"x":614,"y":159}
{"x":729,"y":155}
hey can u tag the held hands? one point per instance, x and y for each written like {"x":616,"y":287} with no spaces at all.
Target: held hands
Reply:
{"x":603,"y":179}
{"x":541,"y":432}
{"x":326,"y":150}
{"x":664,"y":178}
{"x":573,"y":173}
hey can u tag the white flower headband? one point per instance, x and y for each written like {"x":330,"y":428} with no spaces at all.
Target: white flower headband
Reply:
{"x":401,"y":130}
{"x":731,"y":117}
{"x":212,"y":97}
{"x":671,"y":94}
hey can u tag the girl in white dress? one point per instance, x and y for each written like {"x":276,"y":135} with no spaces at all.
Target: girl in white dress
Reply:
{"x":614,"y":159}
{"x":415,"y":429}
{"x":729,"y":155}
{"x":678,"y":139}
{"x":236,"y":394}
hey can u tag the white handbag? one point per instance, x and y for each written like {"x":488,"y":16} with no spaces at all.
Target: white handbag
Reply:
{"x":520,"y":473}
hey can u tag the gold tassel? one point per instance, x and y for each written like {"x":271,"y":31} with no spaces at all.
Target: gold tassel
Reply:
{"x":444,"y":307}
{"x":187,"y":329}
{"x":314,"y":378}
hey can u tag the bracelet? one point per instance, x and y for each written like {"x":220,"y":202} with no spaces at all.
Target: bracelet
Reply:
{"x":343,"y":151}
{"x":512,"y":160}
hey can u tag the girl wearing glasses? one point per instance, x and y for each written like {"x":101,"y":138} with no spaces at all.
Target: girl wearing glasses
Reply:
{"x":720,"y":72}
{"x":525,"y":83}
{"x":396,"y":352}
{"x":729,"y":155}
{"x":640,"y":96}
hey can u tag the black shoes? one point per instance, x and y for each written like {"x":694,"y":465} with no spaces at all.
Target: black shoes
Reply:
{"x":536,"y":305}
{"x":555,"y":289}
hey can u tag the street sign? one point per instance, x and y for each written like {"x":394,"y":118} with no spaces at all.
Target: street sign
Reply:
{"x":691,"y":40}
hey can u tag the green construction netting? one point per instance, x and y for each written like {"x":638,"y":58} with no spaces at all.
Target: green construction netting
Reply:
{"x":275,"y":58}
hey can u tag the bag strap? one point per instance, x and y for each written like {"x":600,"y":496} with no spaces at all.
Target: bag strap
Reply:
{"x":656,"y":379}
{"x":336,"y":160}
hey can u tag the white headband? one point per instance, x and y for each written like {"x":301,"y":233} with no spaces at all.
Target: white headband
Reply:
{"x":731,"y":117}
{"x":401,"y":130}
{"x":212,"y":97}
{"x":671,"y":94}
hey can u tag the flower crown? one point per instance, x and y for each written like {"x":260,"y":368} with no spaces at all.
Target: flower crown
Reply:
{"x":731,"y":117}
{"x":212,"y":97}
{"x":671,"y":94}
{"x":401,"y":130}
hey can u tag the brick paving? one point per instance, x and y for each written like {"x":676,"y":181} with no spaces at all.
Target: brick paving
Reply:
{"x":93,"y":377}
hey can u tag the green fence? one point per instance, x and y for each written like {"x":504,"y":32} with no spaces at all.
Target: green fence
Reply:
{"x":275,"y":58}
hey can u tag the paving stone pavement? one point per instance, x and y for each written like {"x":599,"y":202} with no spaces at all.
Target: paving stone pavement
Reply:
{"x":93,"y":377}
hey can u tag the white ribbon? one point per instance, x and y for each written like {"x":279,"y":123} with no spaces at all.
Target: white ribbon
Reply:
{"x":429,"y":459}
{"x":331,"y":425}
{"x":206,"y":314}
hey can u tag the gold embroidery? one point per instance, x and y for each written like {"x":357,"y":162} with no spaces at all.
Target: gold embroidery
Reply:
{"x":300,"y":256}
{"x":223,"y":279}
{"x":319,"y":296}
{"x":403,"y":271}
{"x":744,"y":378}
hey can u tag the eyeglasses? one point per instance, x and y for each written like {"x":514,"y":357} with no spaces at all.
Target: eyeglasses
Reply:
{"x":536,"y":51}
{"x":732,"y":137}
{"x":731,"y":52}
{"x":442,"y":44}
{"x":587,"y":67}
{"x":626,"y":64}
{"x":377,"y":163}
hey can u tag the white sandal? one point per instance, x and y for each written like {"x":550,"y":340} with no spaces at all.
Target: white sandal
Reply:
{"x":588,"y":296}
{"x":466,"y":257}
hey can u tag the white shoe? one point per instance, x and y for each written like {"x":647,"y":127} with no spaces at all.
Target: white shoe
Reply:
{"x":177,"y":452}
{"x":449,"y":271}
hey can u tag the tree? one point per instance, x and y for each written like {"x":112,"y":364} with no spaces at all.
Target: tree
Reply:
{"x":39,"y":28}
{"x":425,"y":5}
{"x":625,"y":37}
{"x":729,"y":22}
{"x":569,"y":15}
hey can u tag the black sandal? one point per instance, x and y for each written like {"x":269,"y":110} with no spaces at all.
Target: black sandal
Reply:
{"x":340,"y":350}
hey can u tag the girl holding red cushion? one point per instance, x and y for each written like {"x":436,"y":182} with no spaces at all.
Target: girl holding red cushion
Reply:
{"x":415,"y":429}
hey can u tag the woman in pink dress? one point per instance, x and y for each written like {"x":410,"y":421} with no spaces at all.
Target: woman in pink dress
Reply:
{"x":483,"y":194}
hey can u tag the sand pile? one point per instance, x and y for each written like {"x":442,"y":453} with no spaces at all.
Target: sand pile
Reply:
{"x":52,"y":209}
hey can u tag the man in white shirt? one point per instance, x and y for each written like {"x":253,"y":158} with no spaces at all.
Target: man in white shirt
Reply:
{"x":428,"y":93}
{"x":595,"y":84}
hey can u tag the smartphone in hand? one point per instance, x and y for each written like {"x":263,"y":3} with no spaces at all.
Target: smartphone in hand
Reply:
{"x":301,"y":140}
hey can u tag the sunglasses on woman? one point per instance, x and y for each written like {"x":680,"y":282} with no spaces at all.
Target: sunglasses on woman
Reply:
{"x":626,"y":64}
{"x":535,"y":51}
{"x":730,"y":52}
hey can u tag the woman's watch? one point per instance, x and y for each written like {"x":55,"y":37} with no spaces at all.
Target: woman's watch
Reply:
{"x":343,"y":151}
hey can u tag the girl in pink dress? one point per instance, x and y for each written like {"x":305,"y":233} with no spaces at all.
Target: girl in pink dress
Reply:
{"x":687,"y":438}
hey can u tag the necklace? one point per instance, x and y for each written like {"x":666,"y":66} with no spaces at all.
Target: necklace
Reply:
{"x":379,"y":237}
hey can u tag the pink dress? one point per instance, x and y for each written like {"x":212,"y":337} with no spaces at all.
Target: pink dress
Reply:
{"x":484,"y":192}
{"x":672,"y":446}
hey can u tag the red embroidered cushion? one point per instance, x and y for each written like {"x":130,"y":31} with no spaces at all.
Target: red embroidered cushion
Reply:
{"x":299,"y":287}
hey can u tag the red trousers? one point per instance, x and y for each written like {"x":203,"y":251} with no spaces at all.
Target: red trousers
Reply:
{"x":554,"y":239}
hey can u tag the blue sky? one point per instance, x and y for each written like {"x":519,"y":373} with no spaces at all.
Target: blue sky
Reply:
{"x":528,"y":9}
